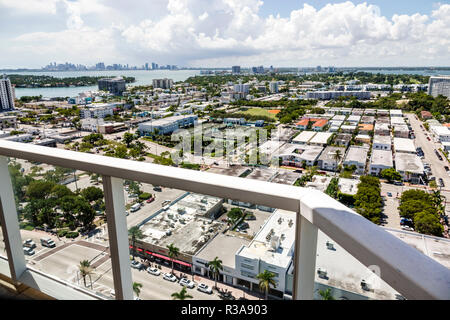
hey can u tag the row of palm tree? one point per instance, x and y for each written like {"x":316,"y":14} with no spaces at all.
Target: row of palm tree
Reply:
{"x":266,"y":278}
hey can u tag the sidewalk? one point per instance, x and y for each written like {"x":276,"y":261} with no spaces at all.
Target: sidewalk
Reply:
{"x":236,"y":292}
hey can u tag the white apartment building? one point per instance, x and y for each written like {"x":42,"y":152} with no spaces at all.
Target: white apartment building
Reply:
{"x":382,"y":142}
{"x":439,"y":85}
{"x":271,"y":249}
{"x":380,"y":160}
{"x":7,"y":95}
{"x":356,"y":156}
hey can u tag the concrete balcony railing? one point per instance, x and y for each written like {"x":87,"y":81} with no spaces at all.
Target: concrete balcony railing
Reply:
{"x":404,"y":268}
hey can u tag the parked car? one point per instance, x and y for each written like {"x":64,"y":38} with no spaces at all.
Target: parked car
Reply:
{"x":157,"y":188}
{"x":204,"y":288}
{"x":28,"y":251}
{"x":150,"y":200}
{"x":47,"y":242}
{"x":29,"y":244}
{"x":389,"y":194}
{"x":153,"y":271}
{"x":428,"y":138}
{"x":127,"y":213}
{"x":137,"y":265}
{"x":187,"y":283}
{"x":441,"y":182}
{"x":169,"y":277}
{"x":398,"y":183}
{"x":407,"y":228}
{"x":135,"y":207}
{"x":446,"y":168}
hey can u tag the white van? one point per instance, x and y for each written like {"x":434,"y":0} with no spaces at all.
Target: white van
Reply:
{"x":135,"y":207}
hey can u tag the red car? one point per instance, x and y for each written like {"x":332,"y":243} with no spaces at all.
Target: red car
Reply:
{"x":150,"y":200}
{"x":428,"y":138}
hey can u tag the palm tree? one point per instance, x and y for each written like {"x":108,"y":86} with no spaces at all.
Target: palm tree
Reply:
{"x":182,"y":295}
{"x":214,"y":266}
{"x":85,"y":270}
{"x":173,"y":252}
{"x":326,"y":294}
{"x":135,"y":233}
{"x":137,"y":288}
{"x":265,"y":280}
{"x":337,"y":156}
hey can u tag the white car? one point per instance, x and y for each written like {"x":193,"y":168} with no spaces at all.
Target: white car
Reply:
{"x":204,"y":288}
{"x":153,"y":271}
{"x":137,"y":265}
{"x":29,"y":244}
{"x":28,"y":251}
{"x":169,"y":277}
{"x":187,"y":283}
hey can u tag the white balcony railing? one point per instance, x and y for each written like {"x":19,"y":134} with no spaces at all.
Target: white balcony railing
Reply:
{"x":404,"y":268}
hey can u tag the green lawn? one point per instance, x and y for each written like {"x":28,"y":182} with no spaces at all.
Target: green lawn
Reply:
{"x":260,"y":112}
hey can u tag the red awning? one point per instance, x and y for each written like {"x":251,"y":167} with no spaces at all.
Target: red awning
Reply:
{"x":176,"y":261}
{"x":183,"y":263}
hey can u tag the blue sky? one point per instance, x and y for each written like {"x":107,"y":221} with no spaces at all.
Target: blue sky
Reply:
{"x":387,"y":7}
{"x":221,"y":33}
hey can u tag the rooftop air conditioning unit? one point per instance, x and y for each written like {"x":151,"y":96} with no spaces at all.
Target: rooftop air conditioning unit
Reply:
{"x":274,"y":243}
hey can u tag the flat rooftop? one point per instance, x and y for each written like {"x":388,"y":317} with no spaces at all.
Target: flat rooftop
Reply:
{"x":382,"y":139}
{"x":437,"y":248}
{"x":280,"y":229}
{"x":304,"y":137}
{"x":286,"y":177}
{"x":225,"y":247}
{"x":348,"y":186}
{"x":262,"y":174}
{"x":407,"y":162}
{"x":356,"y":154}
{"x":183,"y":224}
{"x":382,"y":158}
{"x":321,"y":138}
{"x":319,"y":183}
{"x":234,"y":171}
{"x":404,"y":145}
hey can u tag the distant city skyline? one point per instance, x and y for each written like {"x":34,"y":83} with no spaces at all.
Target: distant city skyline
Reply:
{"x":218,"y":33}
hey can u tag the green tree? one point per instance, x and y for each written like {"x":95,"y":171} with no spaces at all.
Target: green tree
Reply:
{"x":137,"y":288}
{"x":391,"y":175}
{"x":128,"y":138}
{"x":326,"y":294}
{"x":266,"y":279}
{"x":182,"y":295}
{"x":173,"y":253}
{"x":85,"y":270}
{"x":427,"y":223}
{"x":39,"y":189}
{"x":234,"y":215}
{"x":135,"y":233}
{"x":215,"y":266}
{"x":92,"y":193}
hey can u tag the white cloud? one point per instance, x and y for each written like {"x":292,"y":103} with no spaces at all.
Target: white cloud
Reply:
{"x":224,"y":32}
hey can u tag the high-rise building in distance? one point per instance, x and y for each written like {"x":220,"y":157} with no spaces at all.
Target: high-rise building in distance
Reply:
{"x":162,"y":83}
{"x":115,"y":86}
{"x":236,"y":69}
{"x":439,"y":85}
{"x":273,"y":87}
{"x":7,"y":95}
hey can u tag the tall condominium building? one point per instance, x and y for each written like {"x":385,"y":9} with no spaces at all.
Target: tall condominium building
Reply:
{"x":273,"y":87}
{"x":115,"y":86}
{"x":163,"y":83}
{"x":439,"y":85}
{"x":6,"y":95}
{"x":236,"y":69}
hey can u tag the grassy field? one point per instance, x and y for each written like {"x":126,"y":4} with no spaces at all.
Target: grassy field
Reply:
{"x":260,"y":112}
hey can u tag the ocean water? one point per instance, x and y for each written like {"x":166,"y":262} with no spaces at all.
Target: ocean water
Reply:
{"x":143,"y":77}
